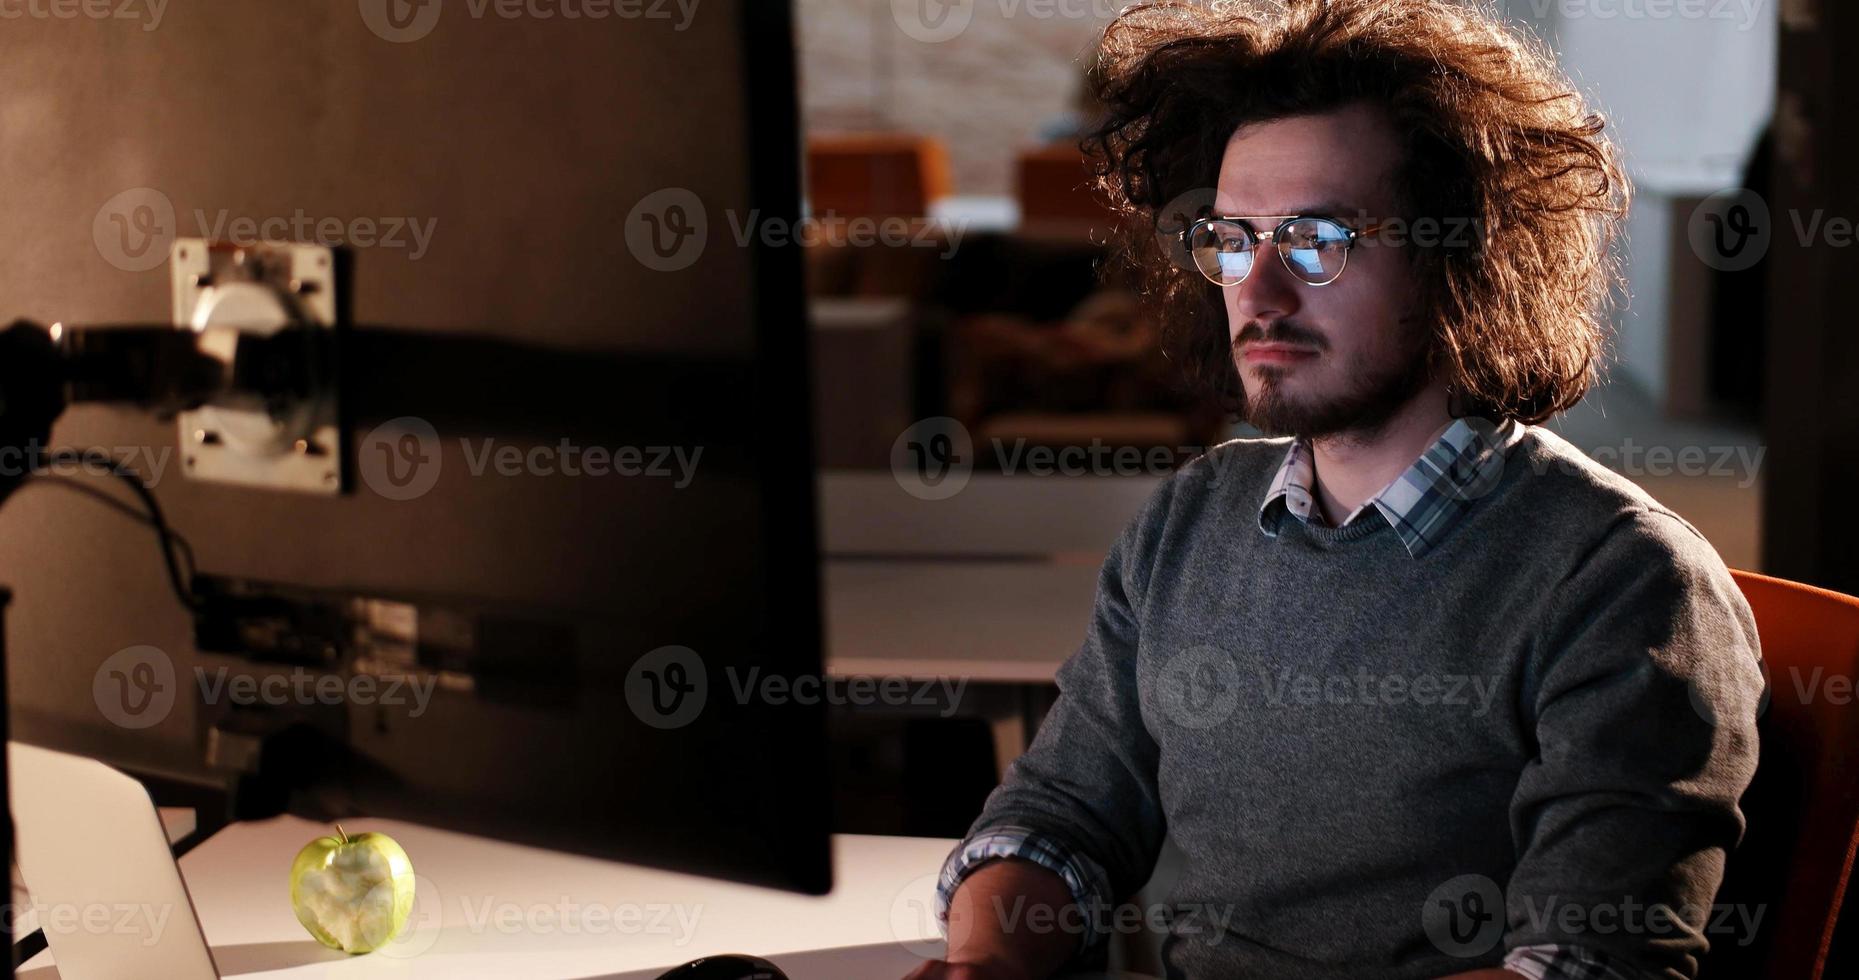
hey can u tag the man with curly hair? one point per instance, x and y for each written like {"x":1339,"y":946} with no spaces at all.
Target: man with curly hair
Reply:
{"x":1416,"y":688}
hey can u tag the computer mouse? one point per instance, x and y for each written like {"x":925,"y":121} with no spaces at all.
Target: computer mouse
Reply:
{"x":729,"y":966}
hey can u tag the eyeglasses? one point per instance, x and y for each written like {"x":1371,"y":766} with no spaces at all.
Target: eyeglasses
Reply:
{"x":1314,"y":248}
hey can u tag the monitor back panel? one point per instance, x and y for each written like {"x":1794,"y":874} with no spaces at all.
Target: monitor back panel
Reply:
{"x":547,"y":266}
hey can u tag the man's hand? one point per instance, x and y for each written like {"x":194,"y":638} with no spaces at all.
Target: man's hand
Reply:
{"x":987,"y":944}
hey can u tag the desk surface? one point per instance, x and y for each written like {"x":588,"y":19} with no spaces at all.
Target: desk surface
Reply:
{"x":488,"y":909}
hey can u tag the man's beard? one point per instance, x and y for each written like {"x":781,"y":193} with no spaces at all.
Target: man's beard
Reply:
{"x":1382,"y":386}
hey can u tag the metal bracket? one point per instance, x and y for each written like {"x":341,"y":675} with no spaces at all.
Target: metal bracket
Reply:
{"x":258,"y":289}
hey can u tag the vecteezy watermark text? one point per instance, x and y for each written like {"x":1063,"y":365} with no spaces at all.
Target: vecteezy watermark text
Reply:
{"x":136,"y":688}
{"x":669,"y":229}
{"x":404,"y":21}
{"x":401,"y":459}
{"x":943,"y":694}
{"x":1021,"y":915}
{"x":388,"y":231}
{"x":147,"y":463}
{"x":1743,"y":13}
{"x":303,"y":687}
{"x":1467,"y":916}
{"x":567,"y":459}
{"x":145,"y":920}
{"x":668,"y":688}
{"x":134,"y":229}
{"x":149,"y":12}
{"x":1290,"y":688}
{"x":569,"y":917}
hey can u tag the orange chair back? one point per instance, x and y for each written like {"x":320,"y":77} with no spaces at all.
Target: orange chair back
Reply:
{"x":875,"y":175}
{"x":1054,"y":184}
{"x":1796,"y":859}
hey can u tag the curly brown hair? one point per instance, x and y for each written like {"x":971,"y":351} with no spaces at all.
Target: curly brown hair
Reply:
{"x":1495,"y":136}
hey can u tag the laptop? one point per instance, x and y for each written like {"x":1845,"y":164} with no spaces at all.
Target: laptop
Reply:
{"x":103,"y":882}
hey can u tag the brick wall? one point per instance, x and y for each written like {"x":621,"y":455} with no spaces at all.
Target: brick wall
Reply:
{"x":985,"y":90}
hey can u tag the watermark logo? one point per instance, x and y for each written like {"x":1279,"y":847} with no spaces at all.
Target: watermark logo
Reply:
{"x":1199,"y":687}
{"x":1731,"y":230}
{"x":1478,"y":466}
{"x":133,"y":230}
{"x":423,"y":925}
{"x":667,"y":687}
{"x":1465,"y":916}
{"x":400,"y":21}
{"x":1172,"y":220}
{"x":932,"y":21}
{"x":933,"y":459}
{"x":135,"y":687}
{"x":914,"y":923}
{"x":668,"y":229}
{"x":1718,"y":697}
{"x":400,"y":458}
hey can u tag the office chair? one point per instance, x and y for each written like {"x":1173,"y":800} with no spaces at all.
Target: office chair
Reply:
{"x":1803,"y":807}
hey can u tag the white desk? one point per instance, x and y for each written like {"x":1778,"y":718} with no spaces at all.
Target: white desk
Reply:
{"x":488,"y":909}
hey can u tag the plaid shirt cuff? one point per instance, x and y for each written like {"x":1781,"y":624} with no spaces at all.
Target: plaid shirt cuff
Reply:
{"x":1552,"y":962}
{"x":1086,"y":879}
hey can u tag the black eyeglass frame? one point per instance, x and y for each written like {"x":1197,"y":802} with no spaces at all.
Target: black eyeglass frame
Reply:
{"x":1350,"y":238}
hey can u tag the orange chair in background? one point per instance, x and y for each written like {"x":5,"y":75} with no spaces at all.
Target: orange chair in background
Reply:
{"x":875,"y":175}
{"x":1796,"y":861}
{"x":1053,"y":187}
{"x":1052,"y":183}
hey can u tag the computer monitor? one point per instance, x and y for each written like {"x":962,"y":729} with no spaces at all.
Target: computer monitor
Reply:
{"x":570,"y":494}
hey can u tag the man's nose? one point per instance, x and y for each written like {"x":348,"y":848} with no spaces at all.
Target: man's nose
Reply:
{"x":1269,"y":293}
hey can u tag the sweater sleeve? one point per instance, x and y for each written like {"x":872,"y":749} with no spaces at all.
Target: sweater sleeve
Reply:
{"x":1643,"y":692}
{"x":1086,"y":788}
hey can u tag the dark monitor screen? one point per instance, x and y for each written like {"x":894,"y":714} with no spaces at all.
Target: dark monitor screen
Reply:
{"x":574,"y":539}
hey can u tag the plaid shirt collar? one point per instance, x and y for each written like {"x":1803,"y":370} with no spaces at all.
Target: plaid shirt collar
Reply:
{"x":1424,"y":503}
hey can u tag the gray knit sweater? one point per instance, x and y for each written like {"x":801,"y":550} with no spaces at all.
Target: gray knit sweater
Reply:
{"x":1551,"y":712}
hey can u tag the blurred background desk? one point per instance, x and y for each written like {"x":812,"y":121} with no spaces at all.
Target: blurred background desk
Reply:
{"x":987,"y":592}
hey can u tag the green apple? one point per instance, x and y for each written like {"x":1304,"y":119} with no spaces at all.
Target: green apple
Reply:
{"x":353,"y":893}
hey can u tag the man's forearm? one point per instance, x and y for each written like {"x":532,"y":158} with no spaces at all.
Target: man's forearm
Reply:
{"x":1008,"y":915}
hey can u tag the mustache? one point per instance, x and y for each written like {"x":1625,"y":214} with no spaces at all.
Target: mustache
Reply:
{"x":1281,"y":332}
